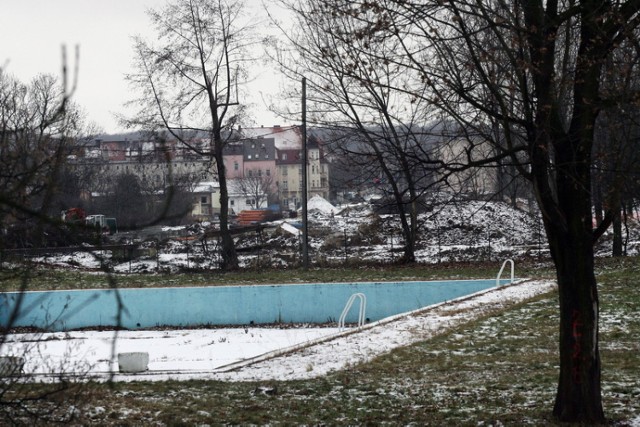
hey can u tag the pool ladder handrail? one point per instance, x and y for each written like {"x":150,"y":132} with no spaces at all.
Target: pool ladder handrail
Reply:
{"x":347,"y":307}
{"x":502,"y":268}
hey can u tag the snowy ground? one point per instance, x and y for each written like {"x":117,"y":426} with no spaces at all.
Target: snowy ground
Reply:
{"x":465,"y":231}
{"x":254,"y":353}
{"x":450,"y":232}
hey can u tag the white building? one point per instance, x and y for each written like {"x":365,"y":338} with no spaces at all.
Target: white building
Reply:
{"x":207,"y":199}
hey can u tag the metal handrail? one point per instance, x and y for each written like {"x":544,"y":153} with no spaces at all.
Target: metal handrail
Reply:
{"x":347,"y":307}
{"x":502,"y":268}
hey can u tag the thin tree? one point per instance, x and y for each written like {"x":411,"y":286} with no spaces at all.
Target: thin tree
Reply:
{"x":188,"y":81}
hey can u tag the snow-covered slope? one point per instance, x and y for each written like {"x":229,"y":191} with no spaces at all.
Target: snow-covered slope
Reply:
{"x":447,"y":232}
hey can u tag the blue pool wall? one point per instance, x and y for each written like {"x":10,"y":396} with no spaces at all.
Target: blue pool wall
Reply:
{"x":224,"y":305}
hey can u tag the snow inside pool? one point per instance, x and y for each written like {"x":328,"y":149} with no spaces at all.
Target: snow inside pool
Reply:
{"x":186,"y":351}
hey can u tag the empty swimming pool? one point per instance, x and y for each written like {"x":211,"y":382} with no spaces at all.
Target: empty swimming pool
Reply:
{"x":223,"y":305}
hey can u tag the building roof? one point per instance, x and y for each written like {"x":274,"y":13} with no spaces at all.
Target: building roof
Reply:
{"x":235,"y":149}
{"x":292,"y":157}
{"x":206,"y":187}
{"x":284,"y":136}
{"x":259,"y":149}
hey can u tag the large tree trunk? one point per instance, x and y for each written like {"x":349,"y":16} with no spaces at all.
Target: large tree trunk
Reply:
{"x":570,"y":235}
{"x":408,"y":225}
{"x":228,"y":249}
{"x":227,"y":246}
{"x":578,"y":397}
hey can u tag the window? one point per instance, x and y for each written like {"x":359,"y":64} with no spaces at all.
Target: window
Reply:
{"x":232,"y":202}
{"x":249,"y":202}
{"x":285,"y":171}
{"x":249,"y":156}
{"x":259,"y":172}
{"x":203,"y":200}
{"x":235,"y":166}
{"x":250,"y":173}
{"x":285,"y":185}
{"x":284,"y":156}
{"x":268,"y":172}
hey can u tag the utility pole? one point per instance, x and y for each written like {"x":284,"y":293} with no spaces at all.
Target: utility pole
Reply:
{"x":305,"y":223}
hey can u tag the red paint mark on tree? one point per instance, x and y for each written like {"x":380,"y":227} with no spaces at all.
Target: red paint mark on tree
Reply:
{"x":576,"y":332}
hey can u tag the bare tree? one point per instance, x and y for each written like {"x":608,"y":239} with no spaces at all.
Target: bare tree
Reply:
{"x":616,"y":137}
{"x":258,"y":187}
{"x":527,"y":77}
{"x":38,"y":128}
{"x":188,"y":81}
{"x":359,"y":88}
{"x":614,"y":170}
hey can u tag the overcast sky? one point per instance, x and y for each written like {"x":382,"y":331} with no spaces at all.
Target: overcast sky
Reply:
{"x":33,"y":31}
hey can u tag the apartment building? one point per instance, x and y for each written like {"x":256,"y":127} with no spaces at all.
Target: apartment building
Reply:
{"x":260,"y":159}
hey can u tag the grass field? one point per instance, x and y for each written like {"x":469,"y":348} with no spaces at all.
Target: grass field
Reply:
{"x":38,"y":278}
{"x":497,"y":370}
